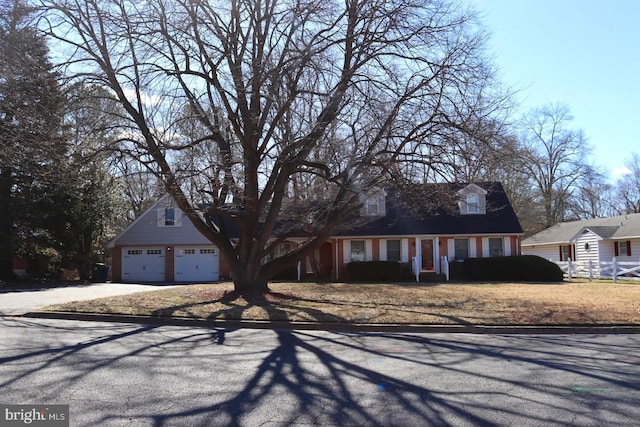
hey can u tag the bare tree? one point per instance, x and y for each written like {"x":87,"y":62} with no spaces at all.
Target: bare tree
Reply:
{"x":289,"y":95}
{"x":554,"y":157}
{"x":628,"y":187}
{"x":594,"y":197}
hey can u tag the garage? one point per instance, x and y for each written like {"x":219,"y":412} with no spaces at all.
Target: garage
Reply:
{"x":143,"y":264}
{"x":197,"y":264}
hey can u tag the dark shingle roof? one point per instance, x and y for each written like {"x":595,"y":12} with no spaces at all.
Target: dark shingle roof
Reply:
{"x":402,"y":219}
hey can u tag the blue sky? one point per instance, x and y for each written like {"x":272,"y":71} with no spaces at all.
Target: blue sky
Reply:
{"x":584,"y":53}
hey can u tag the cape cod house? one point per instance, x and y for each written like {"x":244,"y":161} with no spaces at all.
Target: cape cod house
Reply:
{"x":592,"y":240}
{"x":162,"y":245}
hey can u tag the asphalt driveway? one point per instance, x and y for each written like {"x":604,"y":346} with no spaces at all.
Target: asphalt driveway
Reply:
{"x":15,"y":303}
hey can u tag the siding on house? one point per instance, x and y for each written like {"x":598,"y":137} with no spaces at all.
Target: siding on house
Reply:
{"x":147,"y":232}
{"x":635,"y":249}
{"x":593,"y":252}
{"x":550,"y":252}
{"x":606,"y":250}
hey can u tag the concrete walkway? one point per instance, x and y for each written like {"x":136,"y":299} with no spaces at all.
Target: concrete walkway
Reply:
{"x":19,"y":302}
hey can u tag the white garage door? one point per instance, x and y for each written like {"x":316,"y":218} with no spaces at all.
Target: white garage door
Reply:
{"x":143,"y":264}
{"x":197,"y":264}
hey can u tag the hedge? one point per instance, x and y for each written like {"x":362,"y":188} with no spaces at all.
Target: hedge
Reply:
{"x":524,"y":268}
{"x":377,"y":271}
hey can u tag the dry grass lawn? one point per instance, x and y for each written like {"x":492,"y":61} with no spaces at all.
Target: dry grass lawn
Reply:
{"x":475,"y":304}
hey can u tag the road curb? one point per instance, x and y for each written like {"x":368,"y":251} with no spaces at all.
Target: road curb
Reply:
{"x":345,"y":327}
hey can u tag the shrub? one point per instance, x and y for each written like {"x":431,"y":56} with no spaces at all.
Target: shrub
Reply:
{"x":527,"y":268}
{"x":290,"y":274}
{"x":375,"y":271}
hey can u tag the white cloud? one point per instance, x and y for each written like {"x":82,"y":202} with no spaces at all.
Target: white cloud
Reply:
{"x":148,"y":100}
{"x":620,"y":171}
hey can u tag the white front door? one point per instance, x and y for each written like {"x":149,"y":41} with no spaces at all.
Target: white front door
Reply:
{"x":197,"y":264}
{"x":143,"y":264}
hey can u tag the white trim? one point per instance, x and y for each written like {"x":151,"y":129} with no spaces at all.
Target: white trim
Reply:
{"x":436,"y":254}
{"x":336,"y":267}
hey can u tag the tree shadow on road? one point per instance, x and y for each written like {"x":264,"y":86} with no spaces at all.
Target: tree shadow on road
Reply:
{"x":166,"y":376}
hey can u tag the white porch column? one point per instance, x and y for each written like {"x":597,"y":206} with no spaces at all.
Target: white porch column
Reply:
{"x":436,"y":254}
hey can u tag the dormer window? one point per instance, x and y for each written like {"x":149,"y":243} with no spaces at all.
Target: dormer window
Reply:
{"x":371,"y":206}
{"x":473,"y":204}
{"x":374,"y":204}
{"x":473,"y":200}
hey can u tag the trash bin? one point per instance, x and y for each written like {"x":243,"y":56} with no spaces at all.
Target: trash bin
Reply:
{"x":99,"y":273}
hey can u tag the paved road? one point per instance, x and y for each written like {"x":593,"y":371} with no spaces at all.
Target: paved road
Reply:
{"x":145,"y":375}
{"x":20,"y":302}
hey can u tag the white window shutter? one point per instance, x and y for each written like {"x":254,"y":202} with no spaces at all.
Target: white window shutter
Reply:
{"x":473,"y":248}
{"x":485,"y":247}
{"x":368,"y":250}
{"x":506,"y":241}
{"x":404,"y":250}
{"x":346,"y":251}
{"x":383,"y":250}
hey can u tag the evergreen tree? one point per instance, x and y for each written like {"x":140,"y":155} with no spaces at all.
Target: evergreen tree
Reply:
{"x":30,"y":124}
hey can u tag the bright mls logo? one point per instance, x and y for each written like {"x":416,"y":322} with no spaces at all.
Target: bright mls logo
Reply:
{"x":34,"y":415}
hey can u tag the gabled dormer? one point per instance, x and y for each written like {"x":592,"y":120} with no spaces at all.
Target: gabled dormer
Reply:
{"x":472,"y":200}
{"x":374,"y":203}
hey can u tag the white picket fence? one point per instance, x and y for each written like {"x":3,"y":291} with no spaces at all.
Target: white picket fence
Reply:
{"x":614,"y":269}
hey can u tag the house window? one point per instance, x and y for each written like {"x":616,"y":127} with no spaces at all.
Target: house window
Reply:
{"x":169,"y":217}
{"x":187,"y":251}
{"x":461,"y":249}
{"x":496,"y":248}
{"x":134,"y":252}
{"x":371,"y":206}
{"x":623,"y":248}
{"x":473,"y":204}
{"x":565,"y":253}
{"x":207,"y":251}
{"x":154,"y":251}
{"x":393,"y":250}
{"x":357,"y":250}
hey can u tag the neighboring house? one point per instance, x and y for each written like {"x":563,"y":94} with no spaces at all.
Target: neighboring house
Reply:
{"x":163,"y":246}
{"x":597,"y":240}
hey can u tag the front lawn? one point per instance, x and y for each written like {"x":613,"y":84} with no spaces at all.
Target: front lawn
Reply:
{"x":469,"y":304}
